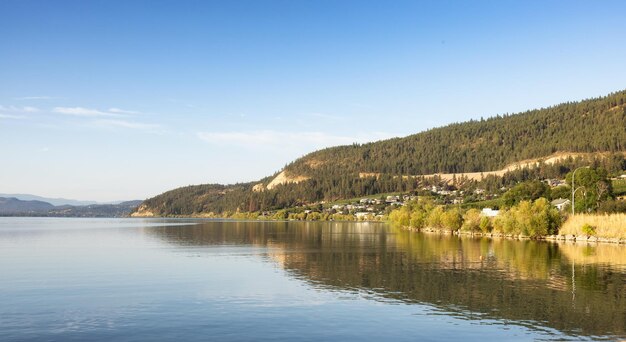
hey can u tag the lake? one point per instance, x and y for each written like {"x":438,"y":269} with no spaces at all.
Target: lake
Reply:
{"x":199,"y":280}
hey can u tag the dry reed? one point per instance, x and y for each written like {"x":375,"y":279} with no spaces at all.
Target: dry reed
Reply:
{"x":606,"y":225}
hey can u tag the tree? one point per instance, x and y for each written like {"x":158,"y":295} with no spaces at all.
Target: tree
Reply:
{"x":528,"y":218}
{"x":452,"y":219}
{"x":594,"y":185}
{"x":526,"y":191}
{"x":434,"y":219}
{"x":562,"y":191}
{"x":472,"y":220}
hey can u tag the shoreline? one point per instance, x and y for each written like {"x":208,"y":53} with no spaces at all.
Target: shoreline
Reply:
{"x":433,"y":231}
{"x":553,"y":238}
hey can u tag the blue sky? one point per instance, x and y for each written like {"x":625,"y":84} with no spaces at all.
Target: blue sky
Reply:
{"x":112,"y":100}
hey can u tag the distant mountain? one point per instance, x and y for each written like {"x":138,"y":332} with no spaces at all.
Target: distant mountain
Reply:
{"x":15,"y":207}
{"x":96,"y":210}
{"x":133,"y":203}
{"x":53,"y":201}
{"x":594,"y":129}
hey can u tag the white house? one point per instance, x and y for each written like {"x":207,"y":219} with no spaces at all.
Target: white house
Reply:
{"x":362,"y":215}
{"x":488,"y":212}
{"x":392,"y":199}
{"x":561,"y":203}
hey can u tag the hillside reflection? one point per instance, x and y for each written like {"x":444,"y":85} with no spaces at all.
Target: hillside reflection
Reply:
{"x":579,"y":290}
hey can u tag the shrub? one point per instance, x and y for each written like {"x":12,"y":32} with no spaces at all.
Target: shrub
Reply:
{"x":435,"y":217}
{"x":505,"y":222}
{"x":588,"y":229}
{"x":485,"y":224}
{"x":452,"y":219}
{"x":533,"y":219}
{"x":400,"y":217}
{"x":418,"y":219}
{"x":471,"y":220}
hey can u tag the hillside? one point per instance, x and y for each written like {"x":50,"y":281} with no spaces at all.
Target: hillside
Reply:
{"x":594,"y":128}
{"x":15,"y":207}
{"x":53,"y":201}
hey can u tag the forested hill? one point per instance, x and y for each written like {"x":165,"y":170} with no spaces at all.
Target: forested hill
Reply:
{"x":588,"y":126}
{"x":594,"y":125}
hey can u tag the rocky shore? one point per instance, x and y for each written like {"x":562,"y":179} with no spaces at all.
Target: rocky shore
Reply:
{"x":556,"y":238}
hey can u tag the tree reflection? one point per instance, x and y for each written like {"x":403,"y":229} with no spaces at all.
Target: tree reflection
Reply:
{"x":576,"y":289}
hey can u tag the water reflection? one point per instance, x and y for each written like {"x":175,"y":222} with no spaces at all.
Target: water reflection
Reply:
{"x":577,"y":289}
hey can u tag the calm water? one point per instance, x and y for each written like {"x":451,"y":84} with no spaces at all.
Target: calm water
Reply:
{"x":132,"y":279}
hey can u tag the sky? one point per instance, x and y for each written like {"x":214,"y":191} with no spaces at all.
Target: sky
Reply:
{"x":119,"y":100}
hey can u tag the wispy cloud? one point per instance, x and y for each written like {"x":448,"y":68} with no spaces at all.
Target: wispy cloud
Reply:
{"x":122,"y":111}
{"x":9,"y":116}
{"x":111,"y":118}
{"x":126,"y":124}
{"x":36,"y":98}
{"x":324,"y":116}
{"x":85,"y":112}
{"x":276,"y":138}
{"x":16,"y":109}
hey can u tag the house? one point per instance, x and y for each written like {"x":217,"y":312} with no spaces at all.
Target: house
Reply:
{"x":362,"y":215}
{"x":561,"y":203}
{"x":488,"y":212}
{"x":554,"y":182}
{"x":392,"y":199}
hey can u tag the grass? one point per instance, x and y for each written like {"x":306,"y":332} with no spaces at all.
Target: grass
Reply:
{"x":606,"y":226}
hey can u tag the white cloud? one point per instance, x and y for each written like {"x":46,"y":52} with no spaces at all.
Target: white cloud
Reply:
{"x":113,"y":118}
{"x":8,"y":116}
{"x":122,"y":111}
{"x":86,"y":112}
{"x":126,"y":124}
{"x":275,"y":138}
{"x":15,"y":109}
{"x":30,"y":109}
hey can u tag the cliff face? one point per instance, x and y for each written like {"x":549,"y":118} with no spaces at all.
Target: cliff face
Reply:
{"x":142,"y":211}
{"x":280,"y":179}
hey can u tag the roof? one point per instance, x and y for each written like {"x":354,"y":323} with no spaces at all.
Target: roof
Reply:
{"x":560,"y":201}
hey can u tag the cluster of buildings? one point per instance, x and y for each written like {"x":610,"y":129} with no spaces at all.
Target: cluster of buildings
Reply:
{"x":370,"y":207}
{"x":367,"y":208}
{"x":553,"y":183}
